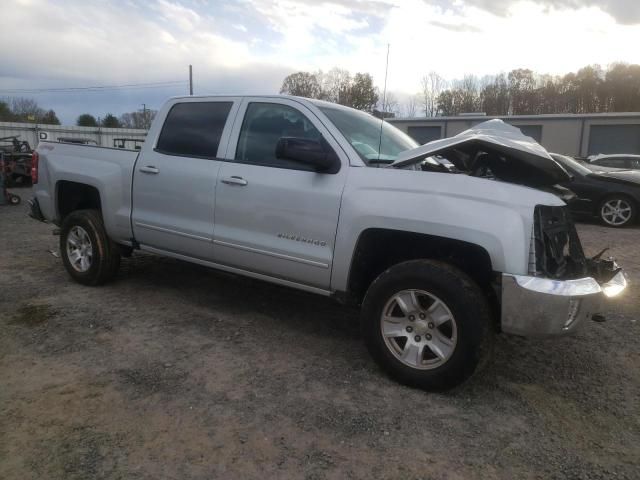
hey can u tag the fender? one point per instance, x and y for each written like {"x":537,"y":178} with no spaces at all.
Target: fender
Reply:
{"x":493,"y":215}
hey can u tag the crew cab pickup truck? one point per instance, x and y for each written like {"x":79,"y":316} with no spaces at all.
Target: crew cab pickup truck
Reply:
{"x":327,"y":199}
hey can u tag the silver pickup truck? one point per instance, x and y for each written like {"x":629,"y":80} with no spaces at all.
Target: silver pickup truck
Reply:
{"x":333,"y":201}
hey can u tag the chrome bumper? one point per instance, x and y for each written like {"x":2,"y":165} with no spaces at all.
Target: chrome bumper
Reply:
{"x":539,"y":307}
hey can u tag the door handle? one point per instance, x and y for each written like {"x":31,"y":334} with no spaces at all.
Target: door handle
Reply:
{"x":234,"y":180}
{"x":149,"y":169}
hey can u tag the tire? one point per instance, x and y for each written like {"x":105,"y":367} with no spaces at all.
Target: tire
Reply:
{"x":468,"y":330}
{"x":93,"y":265}
{"x":617,"y":211}
{"x":14,"y":199}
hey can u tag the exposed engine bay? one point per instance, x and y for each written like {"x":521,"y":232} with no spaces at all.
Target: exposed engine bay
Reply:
{"x":491,"y":166}
{"x":497,"y":151}
{"x":492,"y":149}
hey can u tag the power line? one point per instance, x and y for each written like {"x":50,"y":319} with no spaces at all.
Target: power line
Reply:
{"x":94,"y":88}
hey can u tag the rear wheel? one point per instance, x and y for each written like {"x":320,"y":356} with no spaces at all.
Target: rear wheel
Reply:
{"x":88,"y":254}
{"x":427,"y":324}
{"x":617,"y":211}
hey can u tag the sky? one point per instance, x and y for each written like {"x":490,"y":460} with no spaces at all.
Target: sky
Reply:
{"x":249,"y":46}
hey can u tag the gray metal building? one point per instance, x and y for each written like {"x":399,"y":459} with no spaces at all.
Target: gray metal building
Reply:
{"x":575,"y":135}
{"x":105,"y":137}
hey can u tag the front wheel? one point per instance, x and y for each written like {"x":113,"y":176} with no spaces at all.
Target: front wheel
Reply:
{"x":617,"y":211}
{"x":88,"y":254}
{"x":427,"y":324}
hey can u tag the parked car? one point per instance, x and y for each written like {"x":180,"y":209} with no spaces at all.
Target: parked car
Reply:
{"x":612,"y":195}
{"x":281,"y":189}
{"x":625,"y":161}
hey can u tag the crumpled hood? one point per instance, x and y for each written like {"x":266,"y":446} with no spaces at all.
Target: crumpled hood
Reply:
{"x":519,"y":158}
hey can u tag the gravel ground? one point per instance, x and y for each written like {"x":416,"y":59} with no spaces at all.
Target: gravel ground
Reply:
{"x":177,"y":371}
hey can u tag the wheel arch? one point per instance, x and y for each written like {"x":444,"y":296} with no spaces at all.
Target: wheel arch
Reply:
{"x":378,"y":249}
{"x":71,"y":196}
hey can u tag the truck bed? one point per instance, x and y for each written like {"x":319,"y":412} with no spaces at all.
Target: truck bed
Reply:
{"x":109,"y":170}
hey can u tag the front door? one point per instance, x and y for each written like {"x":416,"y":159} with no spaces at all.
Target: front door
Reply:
{"x":275,"y":216}
{"x":174,"y":181}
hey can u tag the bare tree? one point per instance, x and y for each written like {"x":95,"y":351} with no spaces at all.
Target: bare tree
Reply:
{"x":335,"y":85}
{"x":411,"y":105}
{"x":432,"y":86}
{"x":522,"y":88}
{"x":389,"y":105}
{"x":141,"y":119}
{"x":494,"y":96}
{"x":468,"y":90}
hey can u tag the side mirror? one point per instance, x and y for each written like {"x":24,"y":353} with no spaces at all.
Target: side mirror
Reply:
{"x":316,"y":154}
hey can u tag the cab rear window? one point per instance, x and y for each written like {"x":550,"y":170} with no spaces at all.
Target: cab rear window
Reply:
{"x":193,"y":129}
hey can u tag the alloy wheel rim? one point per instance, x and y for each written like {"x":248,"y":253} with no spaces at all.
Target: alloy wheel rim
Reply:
{"x":79,"y":249}
{"x":616,"y":212}
{"x":419,"y":329}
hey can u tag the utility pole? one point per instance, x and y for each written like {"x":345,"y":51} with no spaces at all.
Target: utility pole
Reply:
{"x":144,"y":116}
{"x":190,"y":80}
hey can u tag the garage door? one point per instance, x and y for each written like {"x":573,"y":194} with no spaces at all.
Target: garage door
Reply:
{"x":533,"y":131}
{"x":424,"y":135}
{"x":614,"y":139}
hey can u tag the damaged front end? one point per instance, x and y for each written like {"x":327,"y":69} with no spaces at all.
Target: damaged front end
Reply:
{"x":556,"y":250}
{"x":563,"y":287}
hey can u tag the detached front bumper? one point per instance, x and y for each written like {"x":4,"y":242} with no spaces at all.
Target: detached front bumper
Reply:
{"x":539,"y":307}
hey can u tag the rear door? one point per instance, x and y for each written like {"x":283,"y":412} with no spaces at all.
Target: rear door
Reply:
{"x":274,"y":216}
{"x":174,"y":181}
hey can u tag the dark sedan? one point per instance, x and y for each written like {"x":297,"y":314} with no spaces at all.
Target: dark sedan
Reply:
{"x":628,"y":162}
{"x":612,"y":195}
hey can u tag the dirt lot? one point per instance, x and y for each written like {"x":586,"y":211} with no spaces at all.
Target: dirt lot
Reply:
{"x":175,"y":371}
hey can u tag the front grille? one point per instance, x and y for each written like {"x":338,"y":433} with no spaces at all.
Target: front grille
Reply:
{"x":556,"y":246}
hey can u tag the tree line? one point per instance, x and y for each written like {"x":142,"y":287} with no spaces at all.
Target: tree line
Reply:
{"x":27,"y":110}
{"x":140,"y":119}
{"x":591,"y":89}
{"x":337,"y":86}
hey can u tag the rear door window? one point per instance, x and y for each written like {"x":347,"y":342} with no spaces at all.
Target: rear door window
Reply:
{"x":613,"y":162}
{"x":193,"y":129}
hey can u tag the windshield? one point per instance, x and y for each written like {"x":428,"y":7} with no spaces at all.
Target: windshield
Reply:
{"x":571,"y":164}
{"x":362,"y":130}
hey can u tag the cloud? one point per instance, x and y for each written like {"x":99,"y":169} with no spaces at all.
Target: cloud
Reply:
{"x":456,"y":27}
{"x":626,"y":12}
{"x":249,"y":46}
